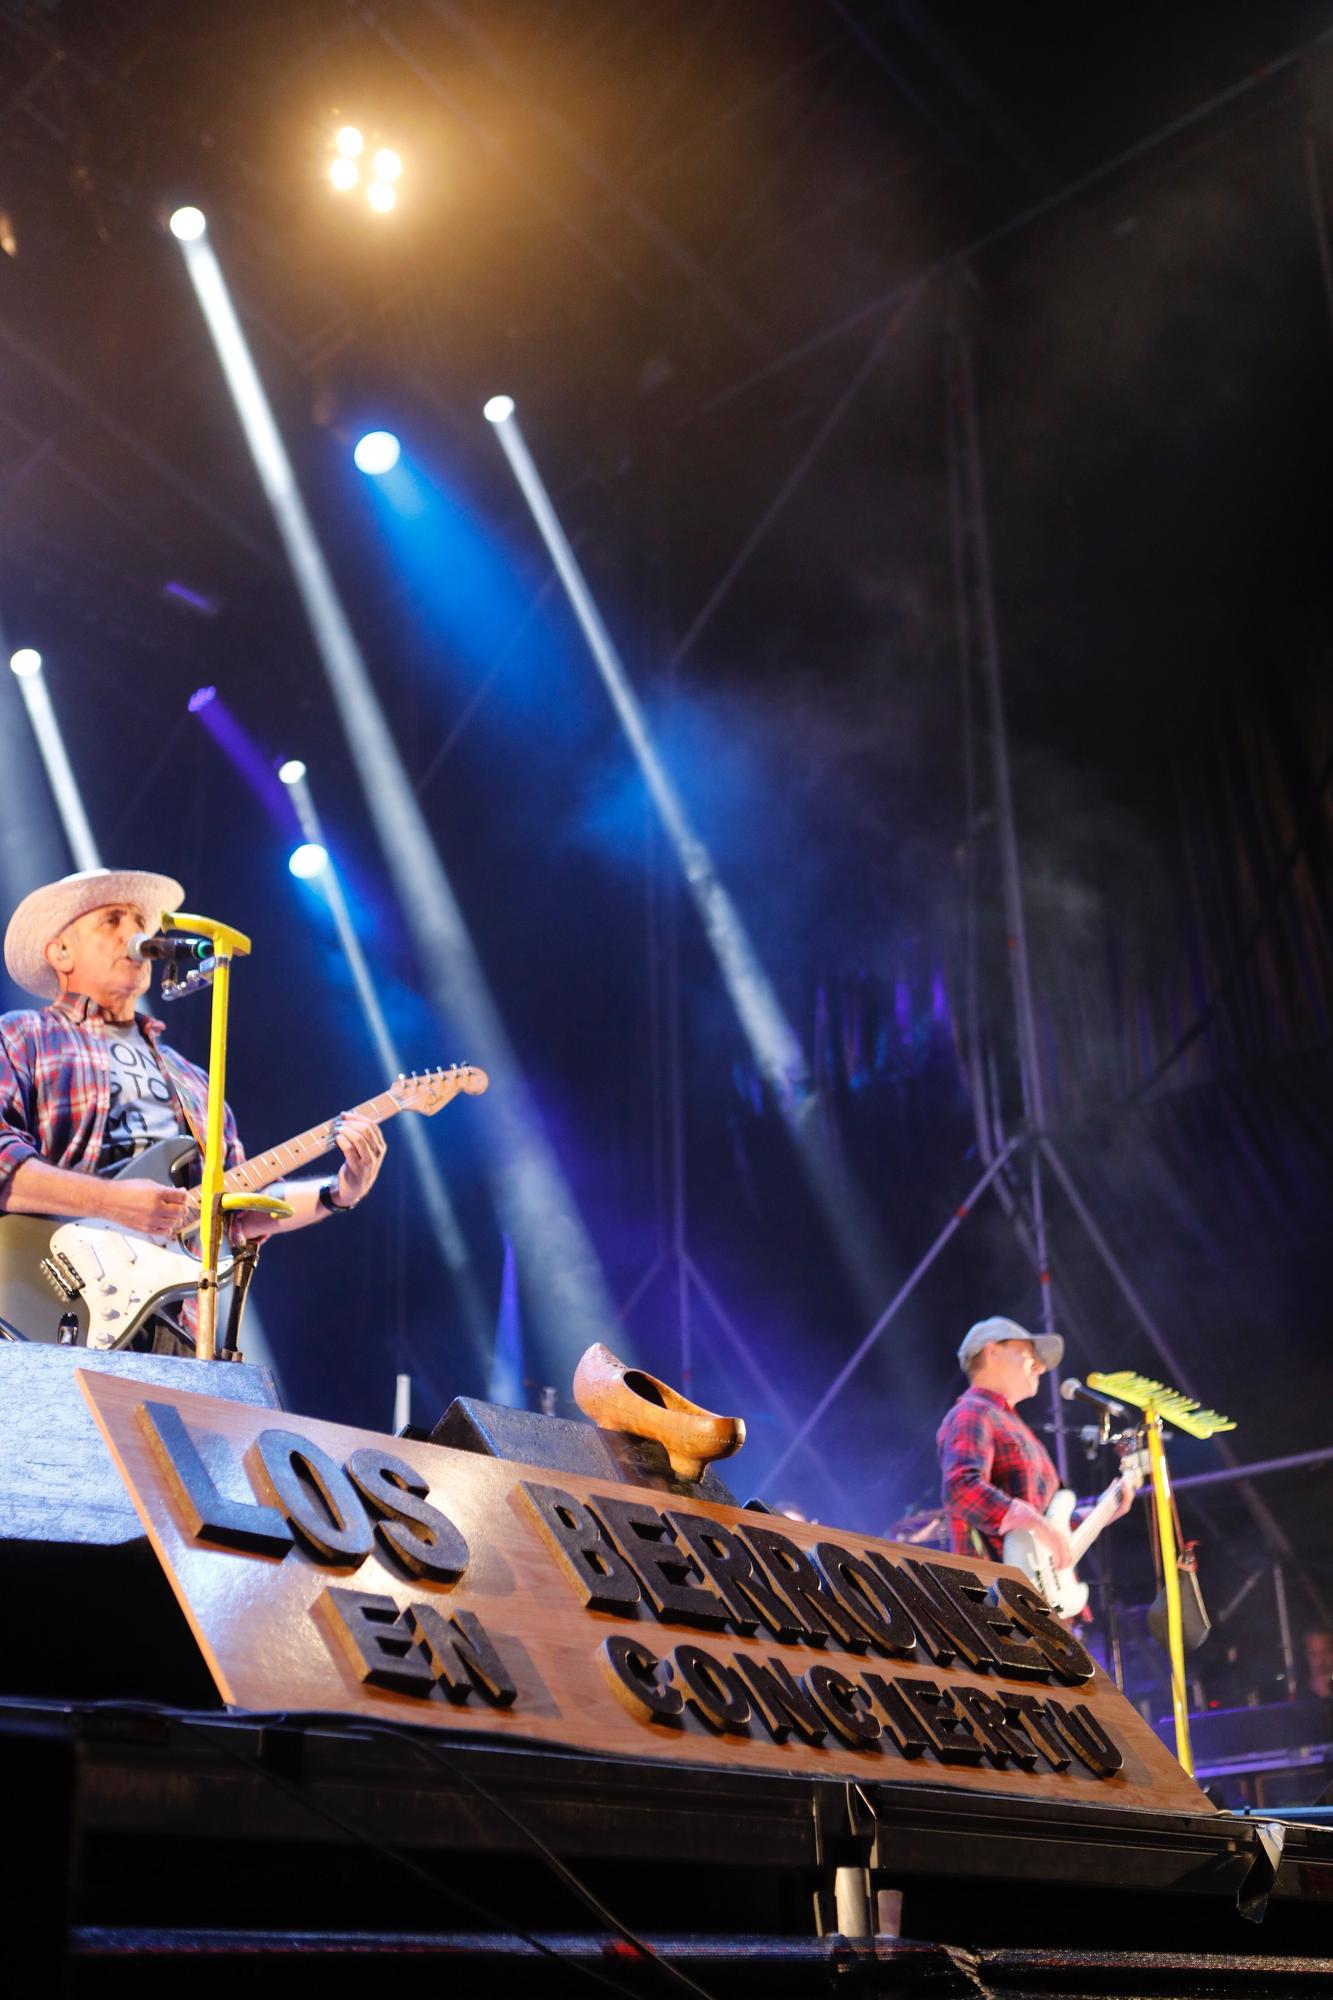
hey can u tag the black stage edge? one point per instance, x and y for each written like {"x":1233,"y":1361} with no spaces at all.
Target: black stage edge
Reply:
{"x":163,"y":1843}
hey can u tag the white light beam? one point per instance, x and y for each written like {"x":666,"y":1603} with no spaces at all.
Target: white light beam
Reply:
{"x":51,"y":744}
{"x":570,"y":1301}
{"x":772,"y":1039}
{"x":773,"y":1042}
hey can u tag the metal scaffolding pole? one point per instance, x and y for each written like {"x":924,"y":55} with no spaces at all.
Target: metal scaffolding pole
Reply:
{"x":980,"y":658}
{"x":973,"y":528}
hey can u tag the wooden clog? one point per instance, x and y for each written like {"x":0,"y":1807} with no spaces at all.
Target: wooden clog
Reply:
{"x":621,"y":1398}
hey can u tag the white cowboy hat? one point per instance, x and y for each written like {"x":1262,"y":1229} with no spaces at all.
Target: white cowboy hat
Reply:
{"x":42,"y":916}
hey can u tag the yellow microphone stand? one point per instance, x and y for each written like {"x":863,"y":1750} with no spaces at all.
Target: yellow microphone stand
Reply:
{"x":214,"y":1201}
{"x":1162,"y":1404}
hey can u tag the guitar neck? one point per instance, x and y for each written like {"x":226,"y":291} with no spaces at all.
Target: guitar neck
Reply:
{"x":252,"y":1176}
{"x":1092,"y":1523}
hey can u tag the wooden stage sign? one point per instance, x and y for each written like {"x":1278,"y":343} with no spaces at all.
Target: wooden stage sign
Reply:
{"x":328,"y":1568}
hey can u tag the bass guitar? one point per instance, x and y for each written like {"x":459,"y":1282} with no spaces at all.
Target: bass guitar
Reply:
{"x":1063,"y":1589}
{"x":113,"y":1279}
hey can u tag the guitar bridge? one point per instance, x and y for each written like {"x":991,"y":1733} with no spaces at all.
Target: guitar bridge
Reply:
{"x":62,"y":1276}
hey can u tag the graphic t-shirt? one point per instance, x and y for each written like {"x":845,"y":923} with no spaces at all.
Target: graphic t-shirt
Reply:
{"x":143,"y":1104}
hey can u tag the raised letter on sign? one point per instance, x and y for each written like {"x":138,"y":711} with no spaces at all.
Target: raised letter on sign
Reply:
{"x":423,"y":1539}
{"x":642,"y":1681}
{"x":590,"y":1559}
{"x":209,"y":1515}
{"x":378,"y":1639}
{"x":782,"y":1702}
{"x":314,"y":1494}
{"x":805,"y":1589}
{"x":669,"y":1574}
{"x":461,"y":1655}
{"x":954,"y":1740}
{"x":1029,"y":1611}
{"x":715,"y":1690}
{"x":745,"y":1591}
{"x":843,"y":1705}
{"x":1087,"y":1739}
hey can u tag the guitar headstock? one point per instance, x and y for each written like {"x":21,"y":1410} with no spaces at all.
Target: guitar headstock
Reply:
{"x":1134,"y":1467}
{"x":428,"y":1091}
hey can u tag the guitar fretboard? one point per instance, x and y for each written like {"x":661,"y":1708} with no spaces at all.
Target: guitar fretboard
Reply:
{"x":294,"y":1155}
{"x":1092,"y":1523}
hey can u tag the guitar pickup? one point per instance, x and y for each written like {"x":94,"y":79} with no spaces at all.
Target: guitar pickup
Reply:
{"x":62,"y":1276}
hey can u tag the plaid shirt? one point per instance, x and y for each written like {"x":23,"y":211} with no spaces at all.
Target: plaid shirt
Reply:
{"x":989,"y":1458}
{"x":55,"y":1088}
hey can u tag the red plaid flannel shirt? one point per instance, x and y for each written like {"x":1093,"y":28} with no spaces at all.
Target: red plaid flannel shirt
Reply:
{"x":989,"y":1458}
{"x":55,"y":1087}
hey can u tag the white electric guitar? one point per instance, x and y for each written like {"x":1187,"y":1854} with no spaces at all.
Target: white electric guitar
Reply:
{"x":1062,"y":1588}
{"x":113,"y":1279}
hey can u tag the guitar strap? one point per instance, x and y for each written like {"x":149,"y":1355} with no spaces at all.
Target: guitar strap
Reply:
{"x":191,"y":1125}
{"x":182,"y":1106}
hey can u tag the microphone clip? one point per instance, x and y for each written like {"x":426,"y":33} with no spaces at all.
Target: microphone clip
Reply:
{"x":175,"y":984}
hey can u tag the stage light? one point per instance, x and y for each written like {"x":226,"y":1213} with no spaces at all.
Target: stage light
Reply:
{"x":308,"y":859}
{"x":190,"y":600}
{"x":376,"y":453}
{"x":188,"y":224}
{"x":382,"y":169}
{"x":200,"y":699}
{"x":25,"y":662}
{"x":498,"y":410}
{"x":292,"y":772}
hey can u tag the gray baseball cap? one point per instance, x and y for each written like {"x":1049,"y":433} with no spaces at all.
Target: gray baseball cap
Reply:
{"x":1050,"y":1347}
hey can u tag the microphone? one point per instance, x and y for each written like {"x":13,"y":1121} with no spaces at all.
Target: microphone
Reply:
{"x":169,"y":950}
{"x":1072,"y":1387}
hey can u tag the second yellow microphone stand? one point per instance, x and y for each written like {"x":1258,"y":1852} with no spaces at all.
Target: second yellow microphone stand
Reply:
{"x":1161,"y":1404}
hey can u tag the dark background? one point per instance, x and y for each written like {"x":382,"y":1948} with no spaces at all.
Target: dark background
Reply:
{"x":675,"y":234}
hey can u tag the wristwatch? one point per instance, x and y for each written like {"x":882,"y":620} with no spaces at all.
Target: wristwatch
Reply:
{"x":327,"y":1190}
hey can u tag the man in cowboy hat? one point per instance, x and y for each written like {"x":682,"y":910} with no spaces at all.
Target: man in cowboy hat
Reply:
{"x":86,"y":1082}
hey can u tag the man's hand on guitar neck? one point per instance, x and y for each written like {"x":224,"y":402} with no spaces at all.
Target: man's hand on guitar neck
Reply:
{"x":362,"y":1145}
{"x":1023,"y":1515}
